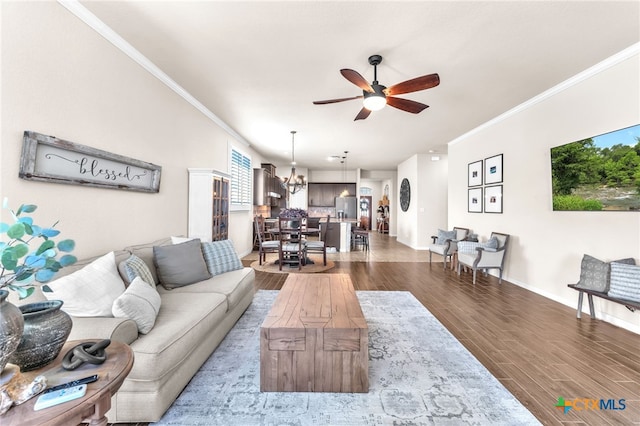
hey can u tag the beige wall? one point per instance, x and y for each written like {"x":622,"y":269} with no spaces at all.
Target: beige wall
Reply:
{"x":547,"y":246}
{"x":61,"y":78}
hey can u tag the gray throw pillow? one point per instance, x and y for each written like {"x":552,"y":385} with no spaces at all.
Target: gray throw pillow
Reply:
{"x":221,"y":257}
{"x":595,"y":273}
{"x":180,"y":264}
{"x":492,"y":243}
{"x":625,"y":281}
{"x":443,"y":236}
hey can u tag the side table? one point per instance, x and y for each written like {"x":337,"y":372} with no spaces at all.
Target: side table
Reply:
{"x":92,"y":407}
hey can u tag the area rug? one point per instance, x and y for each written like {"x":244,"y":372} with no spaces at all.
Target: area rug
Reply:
{"x":419,"y":374}
{"x":270,"y":266}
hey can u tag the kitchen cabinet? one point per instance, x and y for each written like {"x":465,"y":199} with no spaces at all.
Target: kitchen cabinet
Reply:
{"x":208,"y":217}
{"x":324,"y":194}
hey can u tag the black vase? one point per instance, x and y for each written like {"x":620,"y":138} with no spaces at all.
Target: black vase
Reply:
{"x":46,"y":329}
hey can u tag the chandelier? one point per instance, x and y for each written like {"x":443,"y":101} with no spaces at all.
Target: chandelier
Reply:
{"x":295,"y":182}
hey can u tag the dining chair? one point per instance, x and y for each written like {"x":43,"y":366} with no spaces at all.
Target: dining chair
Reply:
{"x":319,"y":246}
{"x":291,"y":243}
{"x":264,"y":246}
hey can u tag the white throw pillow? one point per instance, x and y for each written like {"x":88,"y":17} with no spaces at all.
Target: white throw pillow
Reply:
{"x":141,"y":303}
{"x":90,"y":291}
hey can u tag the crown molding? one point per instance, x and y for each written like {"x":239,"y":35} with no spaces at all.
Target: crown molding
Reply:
{"x":105,"y":31}
{"x":578,"y":78}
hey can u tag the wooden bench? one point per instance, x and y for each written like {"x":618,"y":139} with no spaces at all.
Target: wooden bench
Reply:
{"x":629,"y":304}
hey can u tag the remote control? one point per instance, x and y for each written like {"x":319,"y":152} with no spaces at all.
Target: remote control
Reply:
{"x":82,"y":381}
{"x":58,"y":397}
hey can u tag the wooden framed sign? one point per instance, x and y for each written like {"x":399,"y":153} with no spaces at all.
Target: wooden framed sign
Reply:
{"x":49,"y":159}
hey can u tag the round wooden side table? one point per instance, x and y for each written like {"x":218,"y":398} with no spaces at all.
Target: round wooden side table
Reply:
{"x":92,"y":407}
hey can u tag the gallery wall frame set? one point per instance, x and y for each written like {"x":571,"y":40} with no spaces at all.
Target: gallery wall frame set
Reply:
{"x":483,"y":193}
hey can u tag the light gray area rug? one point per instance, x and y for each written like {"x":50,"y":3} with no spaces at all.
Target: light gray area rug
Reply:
{"x":419,"y":374}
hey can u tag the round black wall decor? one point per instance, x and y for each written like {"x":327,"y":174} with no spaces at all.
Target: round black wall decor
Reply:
{"x":405,"y":194}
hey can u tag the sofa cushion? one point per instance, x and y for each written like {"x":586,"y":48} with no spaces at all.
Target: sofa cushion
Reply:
{"x":221,"y":257}
{"x":625,"y":281}
{"x":90,"y":291}
{"x":234,"y":285}
{"x":145,"y":252}
{"x":180,"y":264}
{"x":184,"y":320}
{"x":595,"y":273}
{"x":133,"y":267}
{"x":140,"y":302}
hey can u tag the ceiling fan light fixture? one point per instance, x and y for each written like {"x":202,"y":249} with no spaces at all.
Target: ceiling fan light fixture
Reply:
{"x":376,"y":100}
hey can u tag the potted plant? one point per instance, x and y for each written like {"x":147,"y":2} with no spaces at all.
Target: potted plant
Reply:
{"x":30,"y":256}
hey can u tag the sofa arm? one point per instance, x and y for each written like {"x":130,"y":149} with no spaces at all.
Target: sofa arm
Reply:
{"x":117,"y":329}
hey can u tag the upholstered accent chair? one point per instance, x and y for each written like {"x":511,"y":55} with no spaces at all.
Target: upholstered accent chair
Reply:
{"x":484,"y":256}
{"x":319,"y":246}
{"x":446,"y":243}
{"x":264,"y":245}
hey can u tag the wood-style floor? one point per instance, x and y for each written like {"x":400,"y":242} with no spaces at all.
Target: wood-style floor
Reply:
{"x":536,"y":347}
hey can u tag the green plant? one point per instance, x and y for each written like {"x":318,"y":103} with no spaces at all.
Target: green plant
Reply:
{"x":574,"y":202}
{"x":22,"y":267}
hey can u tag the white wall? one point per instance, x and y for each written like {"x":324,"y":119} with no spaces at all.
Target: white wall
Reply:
{"x":428,"y":205}
{"x":547,"y":246}
{"x":61,"y":78}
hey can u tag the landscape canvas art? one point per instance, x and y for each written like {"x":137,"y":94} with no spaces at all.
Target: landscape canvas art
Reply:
{"x":601,"y":173}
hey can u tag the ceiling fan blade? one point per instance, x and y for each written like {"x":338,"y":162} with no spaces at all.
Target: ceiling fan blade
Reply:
{"x":333,"y":101}
{"x":414,"y":85}
{"x":364,"y":113}
{"x":357,"y":79}
{"x":406,"y":105}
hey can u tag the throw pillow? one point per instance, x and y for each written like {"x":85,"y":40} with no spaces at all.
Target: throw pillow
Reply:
{"x":443,"y":236}
{"x":492,"y":243}
{"x":180,"y":264}
{"x":140,"y":302}
{"x":90,"y":291}
{"x":221,"y":257}
{"x":625,"y":281}
{"x":594,"y":273}
{"x":135,"y":267}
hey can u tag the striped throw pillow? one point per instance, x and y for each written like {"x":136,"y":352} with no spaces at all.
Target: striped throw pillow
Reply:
{"x":625,"y":282}
{"x":221,"y":257}
{"x":135,"y":267}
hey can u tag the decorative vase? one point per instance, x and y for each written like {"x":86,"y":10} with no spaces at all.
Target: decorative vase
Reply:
{"x":46,"y":329}
{"x":11,"y":327}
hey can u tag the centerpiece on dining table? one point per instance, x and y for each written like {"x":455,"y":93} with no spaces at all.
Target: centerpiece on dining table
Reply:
{"x":292,"y":212}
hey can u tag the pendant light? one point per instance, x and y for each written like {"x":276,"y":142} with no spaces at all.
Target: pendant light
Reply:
{"x":294,"y":183}
{"x":345,"y":191}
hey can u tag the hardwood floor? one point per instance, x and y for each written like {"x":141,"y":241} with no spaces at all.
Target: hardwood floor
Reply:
{"x":534,"y":346}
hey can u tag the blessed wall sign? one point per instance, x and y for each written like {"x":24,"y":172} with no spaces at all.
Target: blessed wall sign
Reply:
{"x":49,"y":159}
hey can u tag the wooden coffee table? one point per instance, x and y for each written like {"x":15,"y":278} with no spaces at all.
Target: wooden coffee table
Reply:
{"x":89,"y":409}
{"x":315,"y":338}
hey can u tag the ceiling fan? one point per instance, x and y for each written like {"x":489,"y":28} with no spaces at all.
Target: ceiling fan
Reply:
{"x":376,"y":96}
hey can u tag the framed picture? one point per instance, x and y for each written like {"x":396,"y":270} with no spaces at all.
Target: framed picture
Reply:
{"x":475,"y":200}
{"x":475,"y":173}
{"x":493,"y":199}
{"x":49,"y":159}
{"x":493,"y":169}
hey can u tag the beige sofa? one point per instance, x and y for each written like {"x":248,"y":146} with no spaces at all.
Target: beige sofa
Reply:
{"x":191,"y":322}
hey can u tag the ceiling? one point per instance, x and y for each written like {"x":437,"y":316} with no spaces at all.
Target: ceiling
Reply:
{"x":259,"y":65}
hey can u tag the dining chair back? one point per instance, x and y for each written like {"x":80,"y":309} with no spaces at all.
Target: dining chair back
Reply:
{"x":264,"y":246}
{"x":291,"y":243}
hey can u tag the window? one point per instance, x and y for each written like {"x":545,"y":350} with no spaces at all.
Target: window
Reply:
{"x":240,"y":180}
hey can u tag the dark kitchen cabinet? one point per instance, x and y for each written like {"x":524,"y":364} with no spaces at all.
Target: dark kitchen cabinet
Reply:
{"x":324,"y":194}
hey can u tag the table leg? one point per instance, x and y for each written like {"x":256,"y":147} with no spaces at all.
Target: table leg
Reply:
{"x":102,"y":406}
